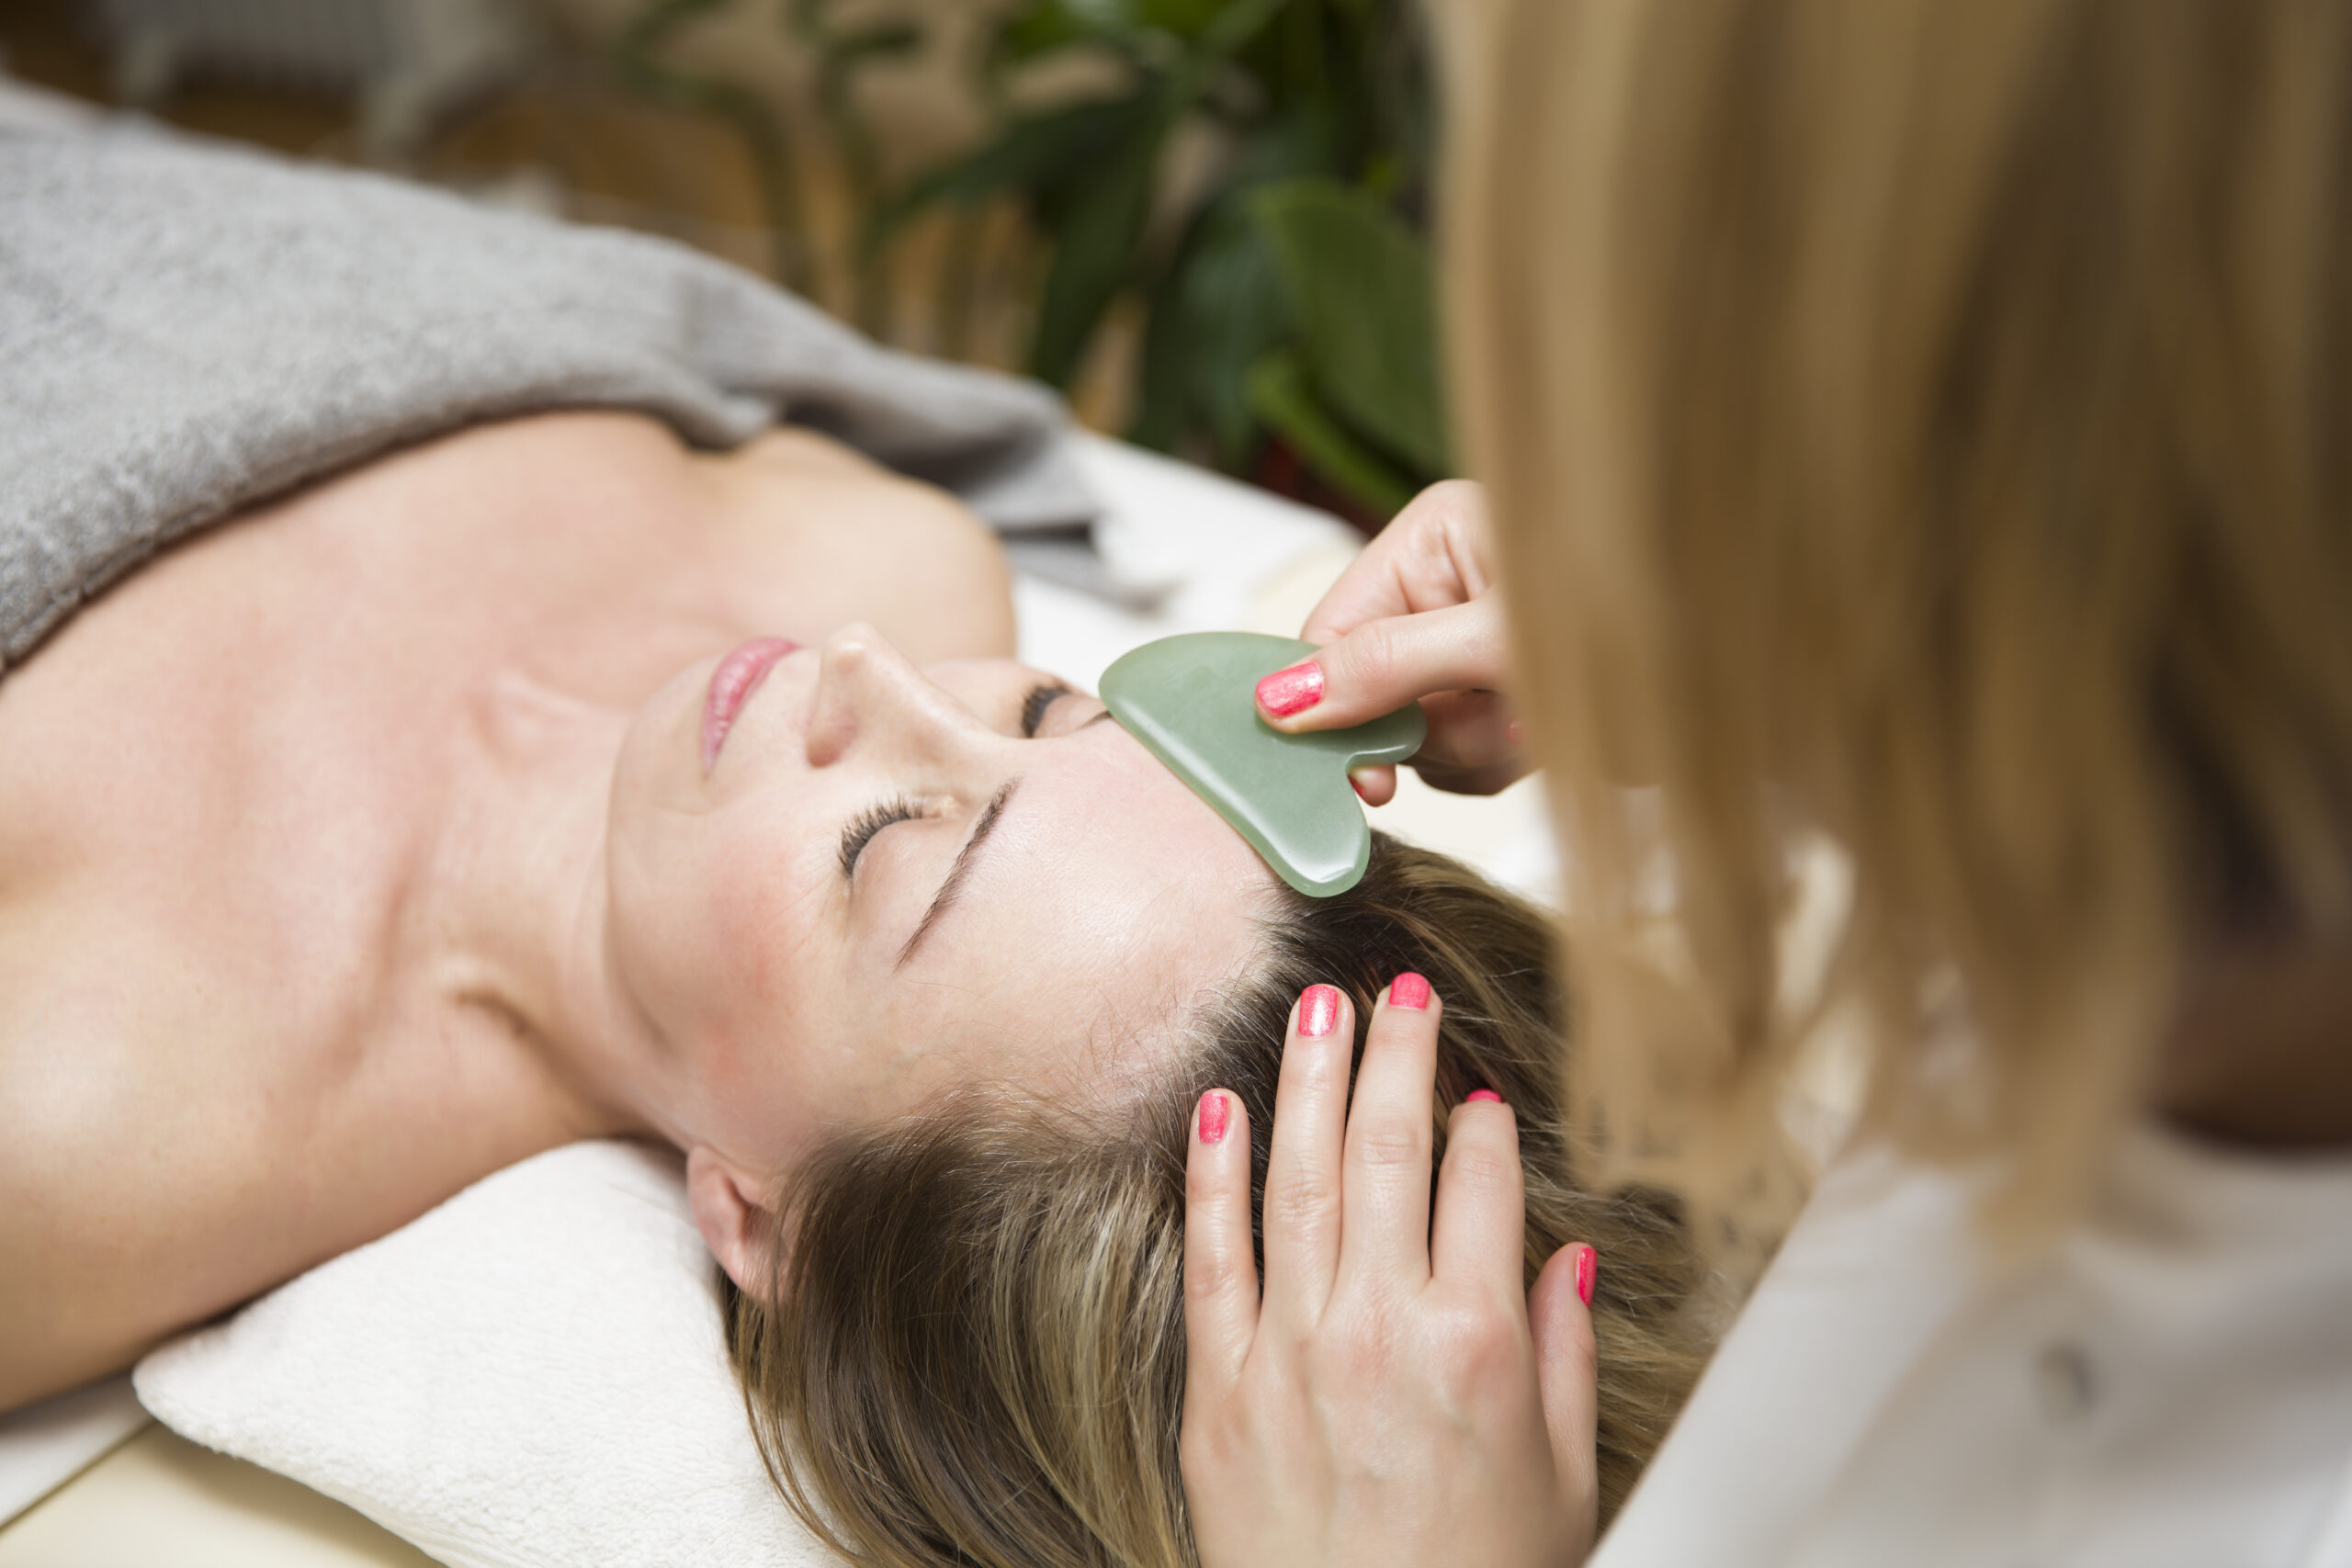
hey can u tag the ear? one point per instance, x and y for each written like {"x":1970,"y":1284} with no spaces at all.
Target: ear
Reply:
{"x":734,"y":1225}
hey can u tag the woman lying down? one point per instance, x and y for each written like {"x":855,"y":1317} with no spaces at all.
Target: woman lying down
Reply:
{"x":469,"y":803}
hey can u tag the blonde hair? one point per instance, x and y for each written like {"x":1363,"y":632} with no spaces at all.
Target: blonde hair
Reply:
{"x":1925,"y":422}
{"x":976,"y":1353}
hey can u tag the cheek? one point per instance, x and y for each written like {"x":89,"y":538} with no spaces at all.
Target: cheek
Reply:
{"x":762,"y":920}
{"x":759,"y":1007}
{"x":723,"y":937}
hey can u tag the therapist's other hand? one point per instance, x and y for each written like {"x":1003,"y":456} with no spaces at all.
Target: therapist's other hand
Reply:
{"x":1392,"y":1398}
{"x":1416,"y":618}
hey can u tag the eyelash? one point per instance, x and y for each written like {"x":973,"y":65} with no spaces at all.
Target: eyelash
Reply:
{"x":1034,"y":706}
{"x":872,"y":820}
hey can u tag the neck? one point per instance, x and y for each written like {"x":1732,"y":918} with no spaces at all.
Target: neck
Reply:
{"x":516,"y":895}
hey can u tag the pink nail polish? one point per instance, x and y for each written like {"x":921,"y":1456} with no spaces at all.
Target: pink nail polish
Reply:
{"x":1587,"y":1265}
{"x":1295,"y":690}
{"x":1408,"y":990}
{"x":1211,"y":1118}
{"x":1482,"y":1097}
{"x":1319,"y":1011}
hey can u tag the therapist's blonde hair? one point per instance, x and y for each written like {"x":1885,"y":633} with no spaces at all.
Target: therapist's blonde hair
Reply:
{"x":1925,"y":420}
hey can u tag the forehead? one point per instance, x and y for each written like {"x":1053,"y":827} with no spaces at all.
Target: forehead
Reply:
{"x":1108,"y":894}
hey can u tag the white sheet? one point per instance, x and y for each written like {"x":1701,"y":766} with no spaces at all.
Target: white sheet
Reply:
{"x":43,"y":1446}
{"x":24,"y":107}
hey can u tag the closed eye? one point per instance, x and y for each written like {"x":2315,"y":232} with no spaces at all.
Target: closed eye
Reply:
{"x":873,"y":820}
{"x":1034,"y":705}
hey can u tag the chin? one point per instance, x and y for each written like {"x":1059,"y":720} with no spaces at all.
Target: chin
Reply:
{"x":659,"y":758}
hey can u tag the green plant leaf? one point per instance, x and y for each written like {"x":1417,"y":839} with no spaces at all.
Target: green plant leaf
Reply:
{"x":1235,"y":23}
{"x":1185,"y":18}
{"x":1217,"y":307}
{"x":1361,"y":290}
{"x":1219,"y":302}
{"x":1047,"y":25}
{"x":1097,"y":219}
{"x":1280,"y":395}
{"x":1040,"y":29}
{"x":1033,"y":156}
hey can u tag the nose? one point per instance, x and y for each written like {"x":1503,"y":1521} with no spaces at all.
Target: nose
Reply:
{"x":871,"y":700}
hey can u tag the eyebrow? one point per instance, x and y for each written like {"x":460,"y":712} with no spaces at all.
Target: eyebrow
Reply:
{"x":952,"y":884}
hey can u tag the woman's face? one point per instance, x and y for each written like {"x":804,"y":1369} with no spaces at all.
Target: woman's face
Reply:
{"x":840,"y":884}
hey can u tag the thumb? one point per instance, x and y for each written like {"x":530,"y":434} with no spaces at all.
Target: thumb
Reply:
{"x":1559,"y":1313}
{"x":1384,"y":664}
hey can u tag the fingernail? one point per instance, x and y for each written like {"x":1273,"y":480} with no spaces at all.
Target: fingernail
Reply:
{"x":1318,"y":1010}
{"x":1211,"y":1118}
{"x":1514,"y":732}
{"x":1355,"y":785}
{"x":1295,"y":690}
{"x":1408,"y":990}
{"x":1482,"y":1097}
{"x":1587,"y":1265}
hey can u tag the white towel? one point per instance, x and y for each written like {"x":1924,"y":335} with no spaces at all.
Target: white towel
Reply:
{"x":533,"y":1373}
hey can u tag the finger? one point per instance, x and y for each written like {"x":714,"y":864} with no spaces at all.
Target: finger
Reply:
{"x":1473,"y":745}
{"x":1559,"y":1313}
{"x":1375,"y":786}
{"x":1382,"y":665}
{"x":1386,"y":1241}
{"x":1474,"y":781}
{"x":1220,"y":1273}
{"x":1434,"y":553}
{"x":1302,"y":1184}
{"x":1479,"y":1238}
{"x":1467,"y":729}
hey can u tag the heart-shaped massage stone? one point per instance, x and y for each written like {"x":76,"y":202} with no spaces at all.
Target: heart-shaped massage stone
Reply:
{"x":1192,"y":700}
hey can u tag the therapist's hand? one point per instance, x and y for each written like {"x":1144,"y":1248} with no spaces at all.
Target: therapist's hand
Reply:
{"x":1392,"y":1398}
{"x":1416,"y":618}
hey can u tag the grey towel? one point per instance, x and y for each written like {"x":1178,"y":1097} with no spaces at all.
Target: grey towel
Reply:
{"x":185,"y":329}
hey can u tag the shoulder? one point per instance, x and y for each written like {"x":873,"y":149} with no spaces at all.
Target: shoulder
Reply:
{"x":904,"y":555}
{"x":95,"y":1198}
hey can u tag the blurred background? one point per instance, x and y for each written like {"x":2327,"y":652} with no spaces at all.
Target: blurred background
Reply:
{"x":1204,"y":220}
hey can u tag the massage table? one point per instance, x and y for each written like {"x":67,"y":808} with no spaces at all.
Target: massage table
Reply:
{"x":93,"y":1482}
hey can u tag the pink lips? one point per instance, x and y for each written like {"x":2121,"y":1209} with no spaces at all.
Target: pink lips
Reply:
{"x":731,"y":685}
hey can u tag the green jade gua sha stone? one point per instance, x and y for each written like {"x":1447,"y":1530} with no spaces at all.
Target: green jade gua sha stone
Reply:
{"x":1192,"y":701}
